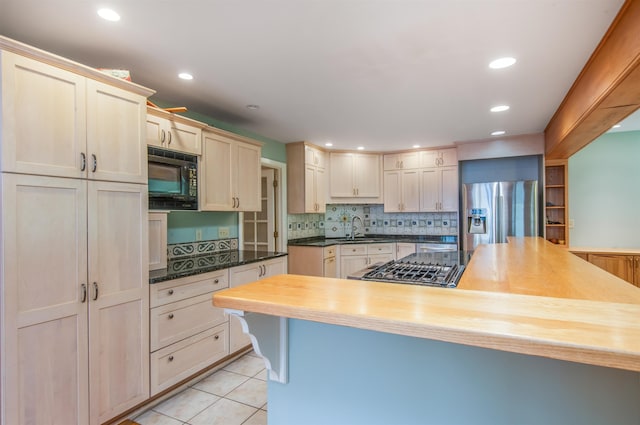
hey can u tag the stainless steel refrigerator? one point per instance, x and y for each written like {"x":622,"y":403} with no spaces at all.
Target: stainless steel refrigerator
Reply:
{"x":493,"y":211}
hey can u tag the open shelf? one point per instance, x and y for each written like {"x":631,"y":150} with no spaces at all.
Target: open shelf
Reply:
{"x":555,"y":198}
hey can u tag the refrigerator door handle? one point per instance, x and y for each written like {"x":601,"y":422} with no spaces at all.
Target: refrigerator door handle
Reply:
{"x":500,"y":233}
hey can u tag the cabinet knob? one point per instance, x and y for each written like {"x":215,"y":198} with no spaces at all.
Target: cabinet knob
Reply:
{"x":170,"y":358}
{"x":170,"y":316}
{"x":170,"y":291}
{"x":216,"y":281}
{"x":217,"y":337}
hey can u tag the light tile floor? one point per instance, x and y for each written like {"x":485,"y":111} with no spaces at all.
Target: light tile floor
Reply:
{"x":233,"y":395}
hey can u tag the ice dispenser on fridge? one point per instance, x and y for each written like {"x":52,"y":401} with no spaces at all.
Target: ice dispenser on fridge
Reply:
{"x":477,"y":221}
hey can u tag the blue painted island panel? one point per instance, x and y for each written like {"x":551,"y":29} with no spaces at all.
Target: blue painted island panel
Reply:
{"x":340,"y":375}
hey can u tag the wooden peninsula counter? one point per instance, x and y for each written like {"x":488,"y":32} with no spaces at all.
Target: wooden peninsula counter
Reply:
{"x":532,"y":334}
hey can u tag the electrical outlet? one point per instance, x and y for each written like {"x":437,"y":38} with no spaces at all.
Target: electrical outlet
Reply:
{"x":571,"y":223}
{"x":223,"y":232}
{"x":198,"y":234}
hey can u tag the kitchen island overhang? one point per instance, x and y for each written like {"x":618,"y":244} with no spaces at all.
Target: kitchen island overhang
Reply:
{"x":600,"y":333}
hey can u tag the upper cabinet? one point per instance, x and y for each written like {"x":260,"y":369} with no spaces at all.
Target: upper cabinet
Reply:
{"x":306,"y":179}
{"x":170,"y":131}
{"x":439,"y":158}
{"x":401,"y":161}
{"x":439,"y":189}
{"x":402,"y":191}
{"x":92,"y":130}
{"x":355,"y":177}
{"x":229,"y":173}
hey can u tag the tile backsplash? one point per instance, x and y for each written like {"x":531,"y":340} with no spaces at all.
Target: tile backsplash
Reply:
{"x":336,"y":222}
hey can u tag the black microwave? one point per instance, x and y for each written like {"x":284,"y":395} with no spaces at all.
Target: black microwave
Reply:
{"x":173,"y":180}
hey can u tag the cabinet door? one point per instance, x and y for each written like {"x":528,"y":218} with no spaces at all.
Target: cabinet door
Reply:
{"x":215,"y":170}
{"x":392,"y":192}
{"x":619,"y":265}
{"x":248,"y":178}
{"x":367,"y":176}
{"x":410,"y":191}
{"x":184,"y":138}
{"x":352,"y":263}
{"x":429,"y":159}
{"x":116,"y":144}
{"x":380,"y":258}
{"x":449,"y":188}
{"x":45,"y":338}
{"x":43,"y":127}
{"x":403,"y":249}
{"x":310,"y":204}
{"x":430,"y":190}
{"x":157,"y":131}
{"x":321,"y":190}
{"x":157,"y":241}
{"x":119,"y":298}
{"x":330,"y":267}
{"x":341,"y":184}
{"x":274,"y":267}
{"x":449,"y":157}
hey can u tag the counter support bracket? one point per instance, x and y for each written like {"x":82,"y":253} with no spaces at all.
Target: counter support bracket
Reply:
{"x":269,"y":337}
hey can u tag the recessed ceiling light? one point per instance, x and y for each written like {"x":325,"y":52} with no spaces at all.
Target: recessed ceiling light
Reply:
{"x":502,"y":63}
{"x":616,"y":126}
{"x":416,"y":146}
{"x":360,"y":148}
{"x":499,"y":108}
{"x":109,"y":15}
{"x":328,"y":144}
{"x":498,"y":133}
{"x":185,"y":76}
{"x":253,"y":107}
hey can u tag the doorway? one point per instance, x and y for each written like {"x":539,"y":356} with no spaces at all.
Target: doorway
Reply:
{"x":261,"y":230}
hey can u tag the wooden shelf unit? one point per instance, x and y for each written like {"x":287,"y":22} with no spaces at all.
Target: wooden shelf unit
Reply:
{"x":555,"y":198}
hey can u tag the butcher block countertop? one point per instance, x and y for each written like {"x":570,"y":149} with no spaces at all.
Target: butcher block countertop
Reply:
{"x":527,"y":296}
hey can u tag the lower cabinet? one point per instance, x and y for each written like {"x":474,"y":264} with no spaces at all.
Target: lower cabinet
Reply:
{"x":187,"y":332}
{"x":245,"y":274}
{"x":75,"y":300}
{"x":625,"y":266}
{"x":404,"y":248}
{"x":354,"y":257}
{"x":313,"y":261}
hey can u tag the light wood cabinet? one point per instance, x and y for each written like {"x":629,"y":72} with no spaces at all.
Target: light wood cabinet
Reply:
{"x":59,"y":123}
{"x":556,"y":208}
{"x":157,"y":240}
{"x":404,"y":248}
{"x":439,"y":189}
{"x":354,"y":176}
{"x":354,"y":257}
{"x":626,"y":266}
{"x":187,"y":333}
{"x":245,"y":274}
{"x":439,"y":158}
{"x":313,"y":261}
{"x":75,"y":324}
{"x":230,"y":174}
{"x":74,"y":293}
{"x":170,"y":131}
{"x":306,"y":179}
{"x":401,"y":161}
{"x":402,"y":191}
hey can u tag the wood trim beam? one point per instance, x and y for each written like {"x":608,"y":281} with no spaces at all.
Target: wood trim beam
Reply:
{"x":606,"y":91}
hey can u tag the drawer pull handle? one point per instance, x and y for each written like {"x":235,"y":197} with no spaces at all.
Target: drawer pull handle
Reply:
{"x":170,"y":358}
{"x":217,"y":337}
{"x":170,"y":291}
{"x":170,"y":316}
{"x":216,"y":281}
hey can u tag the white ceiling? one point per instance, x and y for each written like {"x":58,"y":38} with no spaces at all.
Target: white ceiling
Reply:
{"x":384,"y":74}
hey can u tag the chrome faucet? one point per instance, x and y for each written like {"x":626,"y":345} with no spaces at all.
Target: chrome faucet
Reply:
{"x":353,"y":227}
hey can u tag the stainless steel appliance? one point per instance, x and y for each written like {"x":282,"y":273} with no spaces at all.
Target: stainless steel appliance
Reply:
{"x":442,"y":269}
{"x":493,"y":211}
{"x":173,"y":180}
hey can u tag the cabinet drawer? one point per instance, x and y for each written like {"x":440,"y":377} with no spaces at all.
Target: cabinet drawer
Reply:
{"x":380,"y":248}
{"x":353,"y":250}
{"x":187,"y":287}
{"x":180,"y":360}
{"x":176,"y":321}
{"x":329,"y":251}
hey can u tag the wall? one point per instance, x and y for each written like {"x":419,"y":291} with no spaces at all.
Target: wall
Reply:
{"x":604,"y":192}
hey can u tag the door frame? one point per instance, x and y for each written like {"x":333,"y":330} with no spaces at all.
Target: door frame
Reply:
{"x":281,"y":202}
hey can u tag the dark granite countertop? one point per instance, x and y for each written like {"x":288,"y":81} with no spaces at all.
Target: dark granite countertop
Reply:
{"x":321,"y":241}
{"x":189,"y":266}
